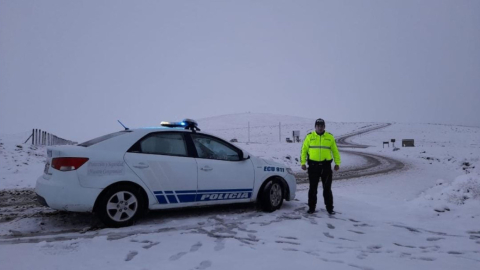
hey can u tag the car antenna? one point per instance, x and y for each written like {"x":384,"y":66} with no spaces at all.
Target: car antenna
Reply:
{"x":123,"y":125}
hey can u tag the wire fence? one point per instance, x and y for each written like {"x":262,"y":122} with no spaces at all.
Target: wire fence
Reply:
{"x":280,"y":132}
{"x":40,"y":137}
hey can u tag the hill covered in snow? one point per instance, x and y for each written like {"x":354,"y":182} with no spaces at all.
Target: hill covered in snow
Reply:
{"x":269,"y":128}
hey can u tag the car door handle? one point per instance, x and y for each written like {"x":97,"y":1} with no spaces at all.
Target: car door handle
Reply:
{"x":206,"y":168}
{"x":141,"y":166}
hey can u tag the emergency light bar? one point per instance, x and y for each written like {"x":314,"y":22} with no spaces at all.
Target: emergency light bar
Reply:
{"x":186,"y":123}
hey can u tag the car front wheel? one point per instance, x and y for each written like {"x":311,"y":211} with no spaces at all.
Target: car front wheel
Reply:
{"x":272,"y":196}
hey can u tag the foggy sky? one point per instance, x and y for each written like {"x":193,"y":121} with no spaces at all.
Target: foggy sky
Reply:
{"x":75,"y":67}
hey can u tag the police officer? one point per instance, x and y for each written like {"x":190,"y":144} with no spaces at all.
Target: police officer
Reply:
{"x":317,"y":151}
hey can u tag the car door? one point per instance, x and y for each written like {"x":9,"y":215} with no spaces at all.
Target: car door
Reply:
{"x":163,"y":162}
{"x":222,"y":176}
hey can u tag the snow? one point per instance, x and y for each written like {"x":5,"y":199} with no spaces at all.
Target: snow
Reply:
{"x":425,"y":216}
{"x":20,"y":164}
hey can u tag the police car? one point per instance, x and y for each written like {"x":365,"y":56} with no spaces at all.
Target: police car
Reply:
{"x":121,"y":175}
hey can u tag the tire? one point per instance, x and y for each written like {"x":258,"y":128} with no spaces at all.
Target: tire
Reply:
{"x":120,"y":206}
{"x":272,"y":196}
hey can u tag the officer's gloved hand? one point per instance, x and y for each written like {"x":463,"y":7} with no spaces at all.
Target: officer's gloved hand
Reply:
{"x":304,"y":167}
{"x":336,"y":168}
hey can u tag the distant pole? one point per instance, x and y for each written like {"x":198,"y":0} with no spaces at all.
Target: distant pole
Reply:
{"x":279,"y":131}
{"x":248,"y":131}
{"x":33,"y":136}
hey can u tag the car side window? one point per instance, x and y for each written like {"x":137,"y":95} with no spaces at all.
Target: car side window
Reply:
{"x":171,"y":144}
{"x":211,"y":148}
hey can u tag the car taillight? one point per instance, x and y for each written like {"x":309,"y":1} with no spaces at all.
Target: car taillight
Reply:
{"x":68,"y":163}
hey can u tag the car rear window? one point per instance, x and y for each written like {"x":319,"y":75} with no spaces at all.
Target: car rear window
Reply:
{"x":103,"y":138}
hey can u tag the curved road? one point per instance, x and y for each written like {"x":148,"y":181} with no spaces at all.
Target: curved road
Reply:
{"x":376,"y":164}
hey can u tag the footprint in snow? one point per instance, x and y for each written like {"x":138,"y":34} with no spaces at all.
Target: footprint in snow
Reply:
{"x":328,"y":235}
{"x":362,"y":256}
{"x":400,"y":245}
{"x":131,"y":255}
{"x":360,"y":267}
{"x":341,"y":238}
{"x":330,"y":226}
{"x":289,"y":237}
{"x":428,"y":259}
{"x":195,"y":247}
{"x":150,"y":245}
{"x":177,"y":256}
{"x":204,"y":265}
{"x":374,"y":247}
{"x":287,"y":242}
{"x":357,"y":232}
{"x":434,"y":238}
{"x":220,"y":244}
{"x":362,"y":225}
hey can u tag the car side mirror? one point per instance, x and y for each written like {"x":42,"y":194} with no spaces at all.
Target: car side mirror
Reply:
{"x":244,"y":155}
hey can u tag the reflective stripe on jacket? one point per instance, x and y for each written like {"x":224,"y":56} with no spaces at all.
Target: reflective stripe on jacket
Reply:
{"x":320,"y":148}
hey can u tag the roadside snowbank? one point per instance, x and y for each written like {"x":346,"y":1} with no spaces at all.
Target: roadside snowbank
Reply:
{"x":461,"y":197}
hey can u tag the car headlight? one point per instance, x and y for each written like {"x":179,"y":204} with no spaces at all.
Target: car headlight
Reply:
{"x":290,"y":171}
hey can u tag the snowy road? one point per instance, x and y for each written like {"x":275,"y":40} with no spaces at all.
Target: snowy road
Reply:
{"x":342,"y":140}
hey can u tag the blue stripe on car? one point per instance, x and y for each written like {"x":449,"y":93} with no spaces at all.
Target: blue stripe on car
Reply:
{"x":161,"y":199}
{"x":186,"y":196}
{"x":172,"y":199}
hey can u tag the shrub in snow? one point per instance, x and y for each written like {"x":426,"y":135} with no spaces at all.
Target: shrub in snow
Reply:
{"x":464,"y":188}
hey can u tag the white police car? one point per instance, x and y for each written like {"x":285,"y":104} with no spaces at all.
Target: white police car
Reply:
{"x":121,"y":175}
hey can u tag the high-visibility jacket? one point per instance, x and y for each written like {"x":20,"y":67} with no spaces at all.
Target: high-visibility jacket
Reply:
{"x":319,"y":148}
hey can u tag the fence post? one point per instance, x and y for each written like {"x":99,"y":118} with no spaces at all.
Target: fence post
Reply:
{"x":33,"y":135}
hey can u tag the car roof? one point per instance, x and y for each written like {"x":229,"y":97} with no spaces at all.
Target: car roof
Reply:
{"x":147,"y":130}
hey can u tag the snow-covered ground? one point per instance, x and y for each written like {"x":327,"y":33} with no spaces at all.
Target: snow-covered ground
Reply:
{"x":426,"y":216}
{"x":20,"y":164}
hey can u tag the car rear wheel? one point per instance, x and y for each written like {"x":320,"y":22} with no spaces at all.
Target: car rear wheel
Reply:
{"x":272,"y":196}
{"x":120,"y":206}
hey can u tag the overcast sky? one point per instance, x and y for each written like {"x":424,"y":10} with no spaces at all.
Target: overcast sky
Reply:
{"x":75,"y":67}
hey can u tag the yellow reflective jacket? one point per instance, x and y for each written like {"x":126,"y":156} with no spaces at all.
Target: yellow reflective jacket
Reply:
{"x":319,"y":148}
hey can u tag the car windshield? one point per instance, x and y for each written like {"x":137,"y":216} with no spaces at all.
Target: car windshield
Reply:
{"x":103,"y":138}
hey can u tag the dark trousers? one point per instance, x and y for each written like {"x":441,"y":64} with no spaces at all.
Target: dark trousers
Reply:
{"x":316,"y":171}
